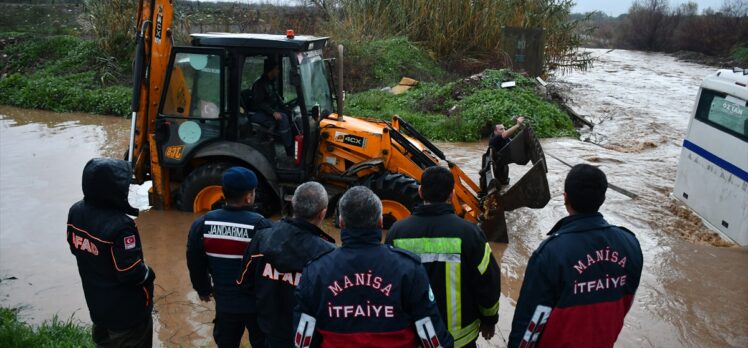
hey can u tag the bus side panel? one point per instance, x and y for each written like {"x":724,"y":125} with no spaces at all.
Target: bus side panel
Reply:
{"x":711,"y":179}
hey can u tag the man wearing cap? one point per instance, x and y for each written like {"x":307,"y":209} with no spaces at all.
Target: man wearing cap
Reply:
{"x":269,"y":104}
{"x":580,"y":282}
{"x":215,"y":246}
{"x":117,"y":283}
{"x":274,"y":260}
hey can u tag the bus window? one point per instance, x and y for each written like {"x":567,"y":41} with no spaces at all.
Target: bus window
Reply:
{"x":724,"y":112}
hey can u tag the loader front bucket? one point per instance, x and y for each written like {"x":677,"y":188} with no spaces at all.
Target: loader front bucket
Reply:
{"x":531,"y":190}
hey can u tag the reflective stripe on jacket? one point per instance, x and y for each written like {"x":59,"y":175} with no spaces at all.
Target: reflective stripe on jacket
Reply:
{"x":463,"y":272}
{"x":215,"y":246}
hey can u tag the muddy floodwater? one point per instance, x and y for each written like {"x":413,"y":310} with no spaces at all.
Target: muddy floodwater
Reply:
{"x":693,"y":291}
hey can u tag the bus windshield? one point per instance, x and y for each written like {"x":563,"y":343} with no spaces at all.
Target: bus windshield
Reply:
{"x":314,"y":82}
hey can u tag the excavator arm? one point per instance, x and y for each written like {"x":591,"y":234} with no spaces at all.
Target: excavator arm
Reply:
{"x":531,"y":190}
{"x":485,"y":203}
{"x":154,"y":43}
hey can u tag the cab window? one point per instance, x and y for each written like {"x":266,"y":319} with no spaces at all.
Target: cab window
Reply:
{"x":194,"y":88}
{"x":289,"y":90}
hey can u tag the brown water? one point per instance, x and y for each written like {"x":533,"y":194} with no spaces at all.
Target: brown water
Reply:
{"x":692,"y":294}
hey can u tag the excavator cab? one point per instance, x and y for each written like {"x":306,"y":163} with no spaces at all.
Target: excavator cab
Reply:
{"x":208,"y":118}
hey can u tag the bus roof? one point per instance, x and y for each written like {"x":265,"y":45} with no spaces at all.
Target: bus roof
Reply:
{"x":733,"y":82}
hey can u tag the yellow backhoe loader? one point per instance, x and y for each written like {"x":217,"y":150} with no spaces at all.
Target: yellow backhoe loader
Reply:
{"x":192,"y":117}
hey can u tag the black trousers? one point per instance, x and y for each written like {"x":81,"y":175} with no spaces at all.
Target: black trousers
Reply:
{"x":140,"y":336}
{"x":283,"y":126}
{"x":229,"y":329}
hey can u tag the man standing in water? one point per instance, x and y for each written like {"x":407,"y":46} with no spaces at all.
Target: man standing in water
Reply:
{"x":500,"y":138}
{"x":580,"y":282}
{"x":216,"y":243}
{"x":117,"y":283}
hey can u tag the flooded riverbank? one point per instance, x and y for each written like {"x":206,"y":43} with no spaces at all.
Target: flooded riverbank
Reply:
{"x":693,"y":291}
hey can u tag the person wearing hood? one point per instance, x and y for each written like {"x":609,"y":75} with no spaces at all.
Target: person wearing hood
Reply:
{"x":215,"y":246}
{"x":275,"y":258}
{"x":365,"y":294}
{"x":117,"y":283}
{"x":580,"y":281}
{"x":457,"y":257}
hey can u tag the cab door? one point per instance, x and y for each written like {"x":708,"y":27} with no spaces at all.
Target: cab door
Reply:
{"x":193,"y":108}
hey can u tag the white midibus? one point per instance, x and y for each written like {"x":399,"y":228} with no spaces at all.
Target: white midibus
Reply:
{"x":712,"y":174}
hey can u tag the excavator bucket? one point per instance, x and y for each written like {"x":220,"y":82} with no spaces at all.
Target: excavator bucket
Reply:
{"x":531,"y":190}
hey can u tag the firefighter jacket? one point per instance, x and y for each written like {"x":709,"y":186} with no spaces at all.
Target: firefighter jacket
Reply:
{"x":365,"y":294}
{"x":215,"y":247}
{"x":117,"y":283}
{"x":463,"y":272}
{"x":272,"y":268}
{"x":579,"y":285}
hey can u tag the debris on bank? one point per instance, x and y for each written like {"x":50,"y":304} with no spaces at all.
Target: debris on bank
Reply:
{"x":403,"y":86}
{"x":466,"y":109}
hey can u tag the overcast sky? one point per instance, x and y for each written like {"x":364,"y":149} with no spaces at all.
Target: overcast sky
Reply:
{"x":617,"y":7}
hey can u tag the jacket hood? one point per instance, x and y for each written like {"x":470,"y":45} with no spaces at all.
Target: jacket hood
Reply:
{"x":106,"y":183}
{"x":294,"y":242}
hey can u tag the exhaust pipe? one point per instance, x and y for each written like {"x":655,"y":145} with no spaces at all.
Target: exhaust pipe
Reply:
{"x":340,"y":83}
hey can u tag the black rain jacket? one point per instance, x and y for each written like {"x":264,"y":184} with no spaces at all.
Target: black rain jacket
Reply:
{"x":272,"y":268}
{"x":117,"y":283}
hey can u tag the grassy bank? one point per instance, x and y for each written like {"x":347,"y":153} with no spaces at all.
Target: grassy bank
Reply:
{"x":465,"y":110}
{"x":378,"y":63}
{"x":52,"y":333}
{"x":68,"y":74}
{"x":60,"y":73}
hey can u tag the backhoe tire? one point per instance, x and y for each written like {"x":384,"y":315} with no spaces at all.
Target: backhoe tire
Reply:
{"x":201,"y":190}
{"x":398,"y":193}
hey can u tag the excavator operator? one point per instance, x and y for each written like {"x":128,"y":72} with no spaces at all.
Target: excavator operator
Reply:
{"x":269,"y":106}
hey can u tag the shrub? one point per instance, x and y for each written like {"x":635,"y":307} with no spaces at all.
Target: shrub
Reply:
{"x":464,"y":110}
{"x":378,"y":63}
{"x":112,"y":23}
{"x":77,"y":92}
{"x":740,"y":54}
{"x":455,"y":30}
{"x":60,"y":73}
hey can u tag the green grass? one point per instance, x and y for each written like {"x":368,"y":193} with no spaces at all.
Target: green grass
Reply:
{"x":740,"y":54}
{"x":465,"y":110}
{"x":63,"y":74}
{"x":378,"y":63}
{"x":52,"y":333}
